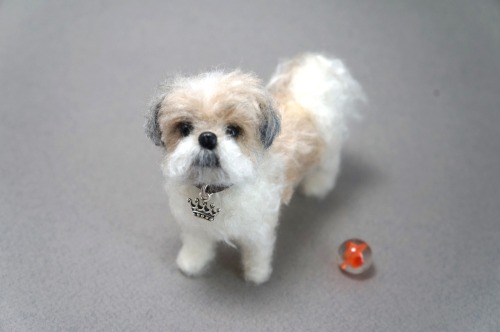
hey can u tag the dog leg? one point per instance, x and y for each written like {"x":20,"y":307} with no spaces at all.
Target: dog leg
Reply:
{"x":321,"y":180}
{"x":196,"y":253}
{"x":257,"y":258}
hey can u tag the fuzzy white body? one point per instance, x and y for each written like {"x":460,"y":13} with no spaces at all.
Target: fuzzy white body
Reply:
{"x":248,"y":219}
{"x":313,"y":96}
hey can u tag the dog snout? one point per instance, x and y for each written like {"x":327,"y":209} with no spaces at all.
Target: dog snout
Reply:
{"x":208,"y":140}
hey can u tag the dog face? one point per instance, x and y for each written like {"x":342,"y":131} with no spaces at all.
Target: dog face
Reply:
{"x":214,"y":127}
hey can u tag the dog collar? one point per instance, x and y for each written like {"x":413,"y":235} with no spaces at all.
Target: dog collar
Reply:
{"x":212,"y":188}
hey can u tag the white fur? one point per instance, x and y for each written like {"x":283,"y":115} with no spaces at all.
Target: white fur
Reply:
{"x":250,"y":207}
{"x":326,"y":88}
{"x":248,"y":218}
{"x":235,"y":166}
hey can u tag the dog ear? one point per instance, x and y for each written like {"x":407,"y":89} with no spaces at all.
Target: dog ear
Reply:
{"x":270,"y":124}
{"x":152,"y":127}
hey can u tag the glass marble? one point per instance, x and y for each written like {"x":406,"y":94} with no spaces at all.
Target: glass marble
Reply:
{"x":354,"y":256}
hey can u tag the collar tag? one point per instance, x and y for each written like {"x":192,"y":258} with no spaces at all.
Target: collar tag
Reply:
{"x":200,"y":207}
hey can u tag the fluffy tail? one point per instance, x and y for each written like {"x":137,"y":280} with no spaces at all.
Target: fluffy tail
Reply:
{"x":323,"y":86}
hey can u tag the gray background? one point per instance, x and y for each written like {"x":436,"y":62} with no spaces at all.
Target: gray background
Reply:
{"x":85,"y":237}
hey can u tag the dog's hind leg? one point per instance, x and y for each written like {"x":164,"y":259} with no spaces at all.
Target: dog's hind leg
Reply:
{"x":321,"y":179}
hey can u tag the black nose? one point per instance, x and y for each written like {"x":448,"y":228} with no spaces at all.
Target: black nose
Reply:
{"x":208,"y":140}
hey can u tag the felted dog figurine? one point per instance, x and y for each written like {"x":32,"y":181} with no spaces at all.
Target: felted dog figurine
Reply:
{"x":235,"y":151}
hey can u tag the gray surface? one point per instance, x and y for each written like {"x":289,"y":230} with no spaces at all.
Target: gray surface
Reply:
{"x":85,"y":242}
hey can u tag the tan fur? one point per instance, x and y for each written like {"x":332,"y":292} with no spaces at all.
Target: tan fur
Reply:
{"x":228,"y":105}
{"x":299,"y":143}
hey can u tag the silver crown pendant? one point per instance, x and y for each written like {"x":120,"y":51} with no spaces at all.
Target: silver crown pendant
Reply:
{"x":199,"y":206}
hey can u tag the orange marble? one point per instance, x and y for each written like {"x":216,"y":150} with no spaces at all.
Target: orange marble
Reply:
{"x":353,"y":255}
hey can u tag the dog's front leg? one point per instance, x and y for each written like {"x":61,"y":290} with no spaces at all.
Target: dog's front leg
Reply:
{"x":196,"y":253}
{"x":257,"y":254}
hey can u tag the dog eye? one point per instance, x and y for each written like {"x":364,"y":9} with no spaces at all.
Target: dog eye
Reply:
{"x":185,"y":128}
{"x":233,"y":131}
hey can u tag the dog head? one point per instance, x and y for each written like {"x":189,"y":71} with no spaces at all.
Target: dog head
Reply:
{"x":214,"y":127}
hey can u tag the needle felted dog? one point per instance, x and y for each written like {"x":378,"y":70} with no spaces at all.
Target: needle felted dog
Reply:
{"x":236,"y":150}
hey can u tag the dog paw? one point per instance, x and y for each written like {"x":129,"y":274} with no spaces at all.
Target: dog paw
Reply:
{"x":258,"y":275}
{"x":318,"y":184}
{"x":193,"y":263}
